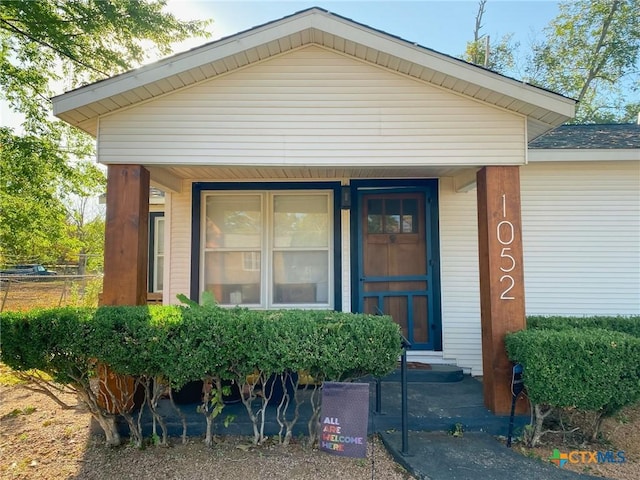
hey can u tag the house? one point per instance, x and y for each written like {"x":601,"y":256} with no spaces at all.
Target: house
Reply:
{"x":316,"y":162}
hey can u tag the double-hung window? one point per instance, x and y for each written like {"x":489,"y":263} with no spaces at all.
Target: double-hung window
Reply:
{"x":268,"y":249}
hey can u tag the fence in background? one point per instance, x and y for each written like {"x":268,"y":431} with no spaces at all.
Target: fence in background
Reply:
{"x":26,"y":292}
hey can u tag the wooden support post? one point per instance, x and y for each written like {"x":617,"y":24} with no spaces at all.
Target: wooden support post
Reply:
{"x":125,"y":265}
{"x":501,"y":278}
{"x":126,"y":236}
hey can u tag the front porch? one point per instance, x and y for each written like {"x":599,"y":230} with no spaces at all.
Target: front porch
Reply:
{"x":438,"y":398}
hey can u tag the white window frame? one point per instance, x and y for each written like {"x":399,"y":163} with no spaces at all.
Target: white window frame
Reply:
{"x":267,"y":248}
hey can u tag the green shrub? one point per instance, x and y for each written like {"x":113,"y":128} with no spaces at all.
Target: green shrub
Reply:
{"x":624,"y":324}
{"x":589,"y":369}
{"x":175,"y":345}
{"x":53,"y":341}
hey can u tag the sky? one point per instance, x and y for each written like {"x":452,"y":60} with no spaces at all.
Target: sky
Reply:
{"x":444,"y":26}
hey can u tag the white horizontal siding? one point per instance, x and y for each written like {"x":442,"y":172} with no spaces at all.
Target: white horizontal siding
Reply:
{"x":180,"y":245}
{"x":581,"y":236}
{"x":312,"y":107}
{"x":461,"y":334}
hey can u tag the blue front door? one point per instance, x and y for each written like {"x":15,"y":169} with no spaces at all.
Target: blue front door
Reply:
{"x":397,"y":264}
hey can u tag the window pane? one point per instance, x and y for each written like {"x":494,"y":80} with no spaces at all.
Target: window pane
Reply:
{"x":300,"y":221}
{"x":159,"y":273}
{"x":374,"y":223}
{"x":392,"y":207}
{"x":226,"y":276}
{"x":410,"y":215}
{"x":160,"y":235}
{"x":301,"y":277}
{"x":392,"y":224}
{"x":408,"y":225}
{"x":233,"y":221}
{"x":374,"y":206}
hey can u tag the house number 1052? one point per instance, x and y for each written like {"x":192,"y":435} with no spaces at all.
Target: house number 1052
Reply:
{"x":505,"y":234}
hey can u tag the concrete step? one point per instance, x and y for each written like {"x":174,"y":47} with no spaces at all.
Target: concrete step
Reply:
{"x":426,"y":373}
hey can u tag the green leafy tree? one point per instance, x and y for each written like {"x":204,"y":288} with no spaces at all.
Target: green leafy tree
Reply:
{"x":47,"y":46}
{"x":498,"y":57}
{"x":592,"y":53}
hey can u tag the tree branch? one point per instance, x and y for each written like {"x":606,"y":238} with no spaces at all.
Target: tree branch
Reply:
{"x":595,"y":69}
{"x":13,"y":28}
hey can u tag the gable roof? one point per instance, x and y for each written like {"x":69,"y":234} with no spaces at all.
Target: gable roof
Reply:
{"x":82,"y":107}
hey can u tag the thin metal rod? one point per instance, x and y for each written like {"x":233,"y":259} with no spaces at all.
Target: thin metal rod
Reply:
{"x":405,"y":409}
{"x":378,"y":396}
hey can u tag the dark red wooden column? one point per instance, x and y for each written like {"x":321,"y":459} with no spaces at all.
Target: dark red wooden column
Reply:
{"x":126,"y":236}
{"x":501,"y":278}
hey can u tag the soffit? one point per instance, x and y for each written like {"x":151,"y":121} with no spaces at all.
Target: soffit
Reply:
{"x":244,"y":174}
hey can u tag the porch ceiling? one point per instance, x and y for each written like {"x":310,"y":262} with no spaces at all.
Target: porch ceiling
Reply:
{"x":170,"y":177}
{"x":83,"y":107}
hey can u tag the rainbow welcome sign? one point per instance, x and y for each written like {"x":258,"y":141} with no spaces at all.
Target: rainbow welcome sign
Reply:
{"x":344,"y":419}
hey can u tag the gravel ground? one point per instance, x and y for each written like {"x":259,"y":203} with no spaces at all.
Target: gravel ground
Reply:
{"x":40,"y":440}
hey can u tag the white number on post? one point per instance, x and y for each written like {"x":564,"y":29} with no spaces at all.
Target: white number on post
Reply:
{"x":503,"y":295}
{"x":505,"y":233}
{"x":504,"y":254}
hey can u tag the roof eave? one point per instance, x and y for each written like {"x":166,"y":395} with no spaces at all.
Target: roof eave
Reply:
{"x":558,"y":109}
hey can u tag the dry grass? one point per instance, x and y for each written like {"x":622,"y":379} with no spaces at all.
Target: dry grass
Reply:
{"x":618,"y":433}
{"x":47,"y":292}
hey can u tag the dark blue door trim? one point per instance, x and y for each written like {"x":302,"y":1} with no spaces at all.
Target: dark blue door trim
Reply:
{"x":430,"y":189}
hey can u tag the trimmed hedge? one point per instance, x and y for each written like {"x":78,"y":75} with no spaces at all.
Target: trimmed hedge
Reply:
{"x":624,"y":324}
{"x":184,"y":344}
{"x":589,"y":369}
{"x":175,"y":345}
{"x":53,"y":341}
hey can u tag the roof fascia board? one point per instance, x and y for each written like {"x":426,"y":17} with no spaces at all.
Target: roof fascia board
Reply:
{"x":582,"y":154}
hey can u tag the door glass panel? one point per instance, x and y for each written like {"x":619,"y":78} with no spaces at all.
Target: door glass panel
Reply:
{"x":393,"y":213}
{"x":374,"y":216}
{"x":410,"y":215}
{"x":300,"y":277}
{"x":301,"y":221}
{"x":374,"y":206}
{"x":227,"y":277}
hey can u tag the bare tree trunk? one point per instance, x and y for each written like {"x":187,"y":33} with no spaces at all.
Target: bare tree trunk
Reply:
{"x":314,"y":422}
{"x":594,"y":70}
{"x":182,"y":416}
{"x":106,"y":420}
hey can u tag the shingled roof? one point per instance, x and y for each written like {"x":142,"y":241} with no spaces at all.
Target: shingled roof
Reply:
{"x":596,"y":136}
